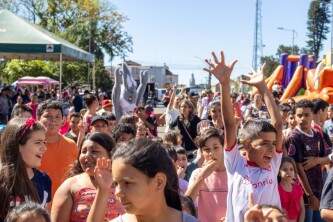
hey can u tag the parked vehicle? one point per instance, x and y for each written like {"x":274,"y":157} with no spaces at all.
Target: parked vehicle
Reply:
{"x":160,"y":93}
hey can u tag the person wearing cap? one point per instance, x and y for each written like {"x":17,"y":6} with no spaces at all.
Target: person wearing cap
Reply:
{"x":106,"y":107}
{"x":112,"y":121}
{"x":99,"y":124}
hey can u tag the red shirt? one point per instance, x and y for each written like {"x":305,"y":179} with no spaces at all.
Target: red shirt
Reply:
{"x":65,"y":128}
{"x":290,"y":201}
{"x":237,"y":110}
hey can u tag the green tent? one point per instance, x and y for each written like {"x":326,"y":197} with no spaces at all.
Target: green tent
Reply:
{"x":20,"y":39}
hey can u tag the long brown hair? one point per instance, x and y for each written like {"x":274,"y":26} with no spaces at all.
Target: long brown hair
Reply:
{"x":14,"y":180}
{"x":190,"y":105}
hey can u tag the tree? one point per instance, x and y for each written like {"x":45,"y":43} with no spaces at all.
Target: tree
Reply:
{"x":317,"y":25}
{"x":287,"y":49}
{"x":94,"y":26}
{"x":11,"y":5}
{"x":271,"y":64}
{"x":16,"y":69}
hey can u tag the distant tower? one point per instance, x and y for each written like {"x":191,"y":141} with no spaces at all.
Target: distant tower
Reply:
{"x":192,"y":80}
{"x":257,"y":40}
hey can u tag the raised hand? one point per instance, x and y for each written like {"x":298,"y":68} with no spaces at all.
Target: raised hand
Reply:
{"x":144,"y":76}
{"x":256,"y":79}
{"x":203,"y":125}
{"x":219,"y":69}
{"x":180,"y":172}
{"x":118,"y":75}
{"x":207,"y":168}
{"x":102,"y":174}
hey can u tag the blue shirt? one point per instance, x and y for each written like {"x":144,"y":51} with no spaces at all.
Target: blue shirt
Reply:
{"x":42,"y":184}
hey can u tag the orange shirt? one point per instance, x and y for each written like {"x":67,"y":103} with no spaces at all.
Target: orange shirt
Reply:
{"x":57,"y":159}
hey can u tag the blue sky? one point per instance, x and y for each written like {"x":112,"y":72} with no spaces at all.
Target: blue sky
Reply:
{"x":182,"y":32}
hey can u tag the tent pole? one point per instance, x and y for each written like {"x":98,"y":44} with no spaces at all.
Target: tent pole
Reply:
{"x":60,"y":82}
{"x":94,"y":77}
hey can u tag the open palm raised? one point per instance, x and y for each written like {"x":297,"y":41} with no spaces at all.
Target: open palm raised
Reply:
{"x":256,"y":79}
{"x":103,"y":174}
{"x":219,"y":69}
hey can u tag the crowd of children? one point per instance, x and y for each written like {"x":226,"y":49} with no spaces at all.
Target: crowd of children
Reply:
{"x":220,"y":159}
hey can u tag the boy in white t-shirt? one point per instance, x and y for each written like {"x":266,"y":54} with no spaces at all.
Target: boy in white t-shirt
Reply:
{"x":252,"y":165}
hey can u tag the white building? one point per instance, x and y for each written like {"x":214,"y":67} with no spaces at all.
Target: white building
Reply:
{"x":160,"y":76}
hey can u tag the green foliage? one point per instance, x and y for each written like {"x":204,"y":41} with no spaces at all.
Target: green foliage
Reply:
{"x":317,"y":25}
{"x":93,"y":25}
{"x":16,"y":69}
{"x":103,"y":80}
{"x":287,"y":49}
{"x":271,"y":64}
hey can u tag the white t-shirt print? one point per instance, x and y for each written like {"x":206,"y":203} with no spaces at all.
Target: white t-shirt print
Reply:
{"x":244,"y":178}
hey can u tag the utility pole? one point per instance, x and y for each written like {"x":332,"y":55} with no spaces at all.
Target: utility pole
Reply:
{"x":258,"y":45}
{"x":293,"y":39}
{"x":209,"y":85}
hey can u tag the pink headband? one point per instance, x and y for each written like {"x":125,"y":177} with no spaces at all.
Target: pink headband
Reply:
{"x":29,"y":123}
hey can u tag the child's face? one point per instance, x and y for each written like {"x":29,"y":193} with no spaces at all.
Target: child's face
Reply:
{"x":287,"y":172}
{"x":135,"y":191}
{"x":304,"y":118}
{"x":33,"y":150}
{"x":323,"y":115}
{"x":74,"y":123}
{"x":95,"y":105}
{"x":141,"y":131}
{"x":273,"y":215}
{"x":215,"y":112}
{"x":284,"y":115}
{"x":330,"y":113}
{"x":213,"y":149}
{"x":262,"y":149}
{"x":184,"y":109}
{"x":52,"y":120}
{"x":125,"y":137}
{"x":291,"y":121}
{"x":181,"y":160}
{"x":99,"y":126}
{"x":89,"y":154}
